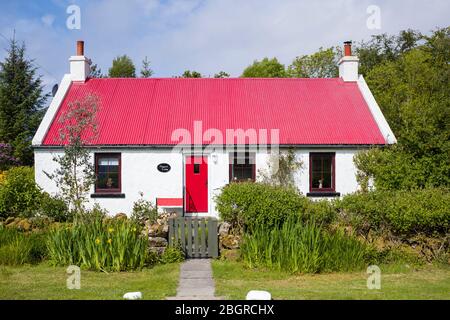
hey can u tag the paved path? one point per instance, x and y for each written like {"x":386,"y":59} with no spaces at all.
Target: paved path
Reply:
{"x":196,"y":281}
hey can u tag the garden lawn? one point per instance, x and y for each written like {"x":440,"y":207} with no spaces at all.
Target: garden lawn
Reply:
{"x":45,"y":282}
{"x":233,"y":281}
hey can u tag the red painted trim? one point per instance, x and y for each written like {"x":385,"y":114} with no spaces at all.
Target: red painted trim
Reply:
{"x":111,"y":155}
{"x":333,"y":172}
{"x":169,"y":202}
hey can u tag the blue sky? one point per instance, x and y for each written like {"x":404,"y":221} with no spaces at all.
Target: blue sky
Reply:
{"x":203,"y":35}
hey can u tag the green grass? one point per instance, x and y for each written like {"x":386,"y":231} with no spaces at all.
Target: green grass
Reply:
{"x":46,"y":282}
{"x":233,"y":281}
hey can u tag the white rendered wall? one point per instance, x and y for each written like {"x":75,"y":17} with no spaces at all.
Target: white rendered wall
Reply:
{"x":348,"y":68}
{"x":345,"y":174}
{"x":345,"y":169}
{"x":140,"y":174}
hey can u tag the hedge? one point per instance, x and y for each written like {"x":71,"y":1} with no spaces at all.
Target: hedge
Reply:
{"x":401,"y":212}
{"x":247,"y":204}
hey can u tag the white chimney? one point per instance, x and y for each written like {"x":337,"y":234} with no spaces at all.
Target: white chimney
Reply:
{"x":348,"y":65}
{"x":79,"y":64}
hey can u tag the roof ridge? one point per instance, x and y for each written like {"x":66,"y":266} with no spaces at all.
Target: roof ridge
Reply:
{"x":217,"y":79}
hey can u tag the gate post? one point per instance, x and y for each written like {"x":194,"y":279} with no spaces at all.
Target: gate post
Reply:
{"x":213,"y":245}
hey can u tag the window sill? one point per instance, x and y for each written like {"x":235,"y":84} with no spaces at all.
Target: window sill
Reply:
{"x":319,"y":194}
{"x":108,"y":195}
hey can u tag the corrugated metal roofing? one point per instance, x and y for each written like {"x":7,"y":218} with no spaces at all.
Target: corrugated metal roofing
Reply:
{"x":148,"y":111}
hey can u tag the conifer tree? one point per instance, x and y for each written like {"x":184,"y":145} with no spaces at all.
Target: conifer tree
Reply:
{"x":21,"y":102}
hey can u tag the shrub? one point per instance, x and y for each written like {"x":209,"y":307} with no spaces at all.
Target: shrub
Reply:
{"x":54,"y":208}
{"x":394,"y":169}
{"x":144,"y":210}
{"x":19,"y":194}
{"x":247,"y":204}
{"x":401,"y":212}
{"x":101,"y":244}
{"x":172,"y":254}
{"x":91,"y":216}
{"x":296,"y":246}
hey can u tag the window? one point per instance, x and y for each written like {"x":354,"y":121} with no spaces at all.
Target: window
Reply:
{"x":321,"y":172}
{"x":242,"y":166}
{"x":107,"y":169}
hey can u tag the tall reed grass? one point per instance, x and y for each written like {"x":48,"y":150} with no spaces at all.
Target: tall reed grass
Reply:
{"x":301,"y":247}
{"x":102,"y":245}
{"x":18,"y":248}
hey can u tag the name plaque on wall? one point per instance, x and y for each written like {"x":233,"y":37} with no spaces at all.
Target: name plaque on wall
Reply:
{"x":163,"y":167}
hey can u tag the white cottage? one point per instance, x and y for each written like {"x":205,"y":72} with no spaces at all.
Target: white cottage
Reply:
{"x":179,"y":141}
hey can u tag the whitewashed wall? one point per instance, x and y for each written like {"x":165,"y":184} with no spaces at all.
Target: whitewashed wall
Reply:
{"x":140,"y":174}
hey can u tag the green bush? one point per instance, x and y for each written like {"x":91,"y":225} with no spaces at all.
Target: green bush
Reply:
{"x":401,"y":212}
{"x":144,"y":210}
{"x":250,"y":204}
{"x":19,"y":194}
{"x":100,"y":244}
{"x":91,"y":216}
{"x":18,"y":248}
{"x":172,"y":254}
{"x":55,"y":208}
{"x":305,"y":247}
{"x":394,"y":169}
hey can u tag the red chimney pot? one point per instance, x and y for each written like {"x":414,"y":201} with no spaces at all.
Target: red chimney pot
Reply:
{"x":80,"y":48}
{"x":347,"y":48}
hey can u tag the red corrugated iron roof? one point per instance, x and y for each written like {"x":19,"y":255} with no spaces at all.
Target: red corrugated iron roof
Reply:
{"x":148,"y":111}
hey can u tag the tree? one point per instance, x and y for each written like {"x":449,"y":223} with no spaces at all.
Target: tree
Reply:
{"x":122,"y":67}
{"x":221,"y":74}
{"x":146,"y":71}
{"x":413,"y":92}
{"x":265,"y":69}
{"x":191,"y":74}
{"x":7,"y":158}
{"x":322,"y":64}
{"x":384,"y":48}
{"x":95,"y":72}
{"x":21,"y":102}
{"x":76,"y":174}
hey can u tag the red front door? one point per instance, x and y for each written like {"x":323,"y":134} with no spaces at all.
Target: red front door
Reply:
{"x":196,"y":184}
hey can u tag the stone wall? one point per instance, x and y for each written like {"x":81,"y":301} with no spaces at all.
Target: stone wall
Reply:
{"x":158,"y":233}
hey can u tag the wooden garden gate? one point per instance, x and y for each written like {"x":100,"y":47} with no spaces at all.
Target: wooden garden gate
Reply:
{"x":198,"y":237}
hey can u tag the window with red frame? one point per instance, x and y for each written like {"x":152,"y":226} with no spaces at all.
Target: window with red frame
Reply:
{"x":242,"y":166}
{"x":322,"y":172}
{"x":108,"y":172}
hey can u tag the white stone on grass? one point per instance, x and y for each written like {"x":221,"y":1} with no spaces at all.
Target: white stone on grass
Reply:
{"x":258,"y":295}
{"x":132,"y":296}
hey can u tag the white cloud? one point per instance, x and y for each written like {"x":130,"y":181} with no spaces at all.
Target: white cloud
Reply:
{"x":212,"y":35}
{"x":48,"y":20}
